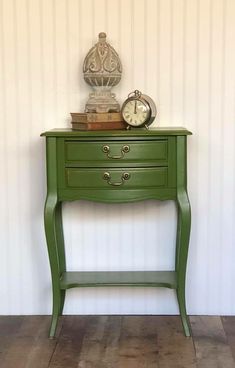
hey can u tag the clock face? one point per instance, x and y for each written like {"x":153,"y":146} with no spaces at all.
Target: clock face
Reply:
{"x":135,"y":112}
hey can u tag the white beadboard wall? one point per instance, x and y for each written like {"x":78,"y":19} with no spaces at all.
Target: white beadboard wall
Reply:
{"x":180,"y":52}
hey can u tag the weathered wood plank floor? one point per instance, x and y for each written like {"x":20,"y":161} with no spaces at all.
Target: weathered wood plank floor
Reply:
{"x":117,"y":342}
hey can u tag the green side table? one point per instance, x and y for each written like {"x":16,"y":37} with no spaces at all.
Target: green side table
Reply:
{"x":114,"y":167}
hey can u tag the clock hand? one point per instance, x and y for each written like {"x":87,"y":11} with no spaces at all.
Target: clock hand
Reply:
{"x":135,"y":107}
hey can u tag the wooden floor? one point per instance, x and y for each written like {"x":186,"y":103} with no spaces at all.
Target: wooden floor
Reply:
{"x":117,"y":342}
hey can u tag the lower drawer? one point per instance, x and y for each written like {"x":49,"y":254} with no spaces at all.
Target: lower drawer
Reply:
{"x":117,"y":178}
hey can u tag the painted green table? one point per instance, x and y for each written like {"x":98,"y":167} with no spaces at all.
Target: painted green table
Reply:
{"x":114,"y":167}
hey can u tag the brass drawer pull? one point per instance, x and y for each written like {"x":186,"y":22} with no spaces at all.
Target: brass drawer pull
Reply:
{"x":125,"y":149}
{"x":107,"y":177}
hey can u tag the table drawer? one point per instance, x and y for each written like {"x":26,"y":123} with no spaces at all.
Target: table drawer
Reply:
{"x":122,"y":151}
{"x":117,"y":178}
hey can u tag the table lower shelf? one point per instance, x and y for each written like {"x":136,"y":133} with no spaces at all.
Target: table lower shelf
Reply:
{"x":119,"y":278}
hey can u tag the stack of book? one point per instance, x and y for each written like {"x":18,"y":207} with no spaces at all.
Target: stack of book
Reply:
{"x":97,"y":121}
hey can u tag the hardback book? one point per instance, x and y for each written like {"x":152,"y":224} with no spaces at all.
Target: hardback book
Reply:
{"x":93,"y":117}
{"x":99,"y":125}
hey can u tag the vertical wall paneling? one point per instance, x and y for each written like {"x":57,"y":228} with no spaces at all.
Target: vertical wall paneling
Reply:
{"x":216,"y":145}
{"x":180,"y":52}
{"x":202,"y":148}
{"x":191,"y":115}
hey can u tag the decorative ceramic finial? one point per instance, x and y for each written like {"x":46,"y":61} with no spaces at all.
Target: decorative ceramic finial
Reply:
{"x":102,"y":70}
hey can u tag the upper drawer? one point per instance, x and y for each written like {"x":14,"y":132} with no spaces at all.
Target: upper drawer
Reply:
{"x":96,"y":153}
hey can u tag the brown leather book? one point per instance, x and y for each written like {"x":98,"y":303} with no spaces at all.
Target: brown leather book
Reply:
{"x":99,"y":125}
{"x":94,"y":117}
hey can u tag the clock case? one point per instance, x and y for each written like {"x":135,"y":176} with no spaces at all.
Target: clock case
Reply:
{"x":137,"y":95}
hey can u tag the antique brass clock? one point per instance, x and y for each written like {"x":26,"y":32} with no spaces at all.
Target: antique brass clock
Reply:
{"x":138,"y":110}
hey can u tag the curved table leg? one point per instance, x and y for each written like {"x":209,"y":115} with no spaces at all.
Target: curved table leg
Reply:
{"x":61,"y":250}
{"x":53,"y":236}
{"x":183,"y":234}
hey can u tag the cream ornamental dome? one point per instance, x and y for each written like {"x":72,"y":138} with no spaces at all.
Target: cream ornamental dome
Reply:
{"x":102,"y":70}
{"x":102,"y":66}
